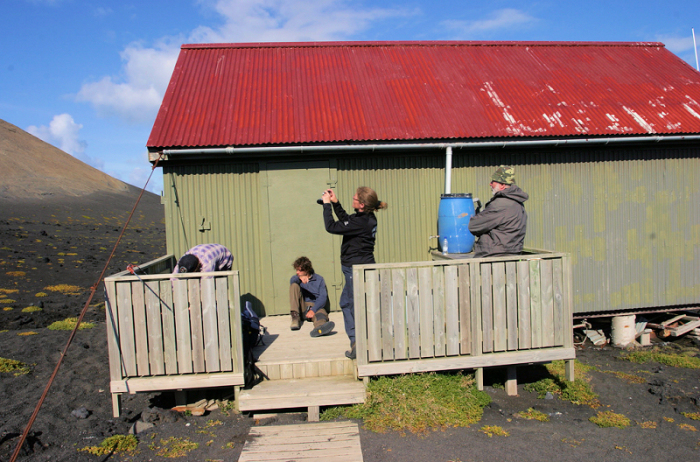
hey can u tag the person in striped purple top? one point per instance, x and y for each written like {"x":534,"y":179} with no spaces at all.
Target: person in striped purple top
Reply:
{"x":205,"y":258}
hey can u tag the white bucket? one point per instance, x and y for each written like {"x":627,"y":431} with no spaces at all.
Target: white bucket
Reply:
{"x":623,"y":330}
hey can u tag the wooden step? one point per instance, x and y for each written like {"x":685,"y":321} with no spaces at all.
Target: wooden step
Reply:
{"x":299,"y":393}
{"x":306,"y":368}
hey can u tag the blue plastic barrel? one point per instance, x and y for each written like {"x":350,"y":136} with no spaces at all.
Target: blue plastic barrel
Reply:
{"x":453,"y":222}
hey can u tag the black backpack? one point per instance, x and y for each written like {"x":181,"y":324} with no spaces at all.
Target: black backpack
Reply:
{"x":250,"y":325}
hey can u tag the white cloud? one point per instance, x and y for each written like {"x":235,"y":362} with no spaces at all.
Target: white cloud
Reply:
{"x":680,"y":46}
{"x":676,"y":44}
{"x":64,"y":133}
{"x":289,"y":21}
{"x":101,"y":12}
{"x":497,"y":21}
{"x":136,"y":94}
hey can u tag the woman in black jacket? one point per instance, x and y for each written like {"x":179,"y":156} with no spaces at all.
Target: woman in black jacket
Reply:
{"x":358,"y":231}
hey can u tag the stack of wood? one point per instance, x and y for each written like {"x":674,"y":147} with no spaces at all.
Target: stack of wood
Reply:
{"x":678,"y":325}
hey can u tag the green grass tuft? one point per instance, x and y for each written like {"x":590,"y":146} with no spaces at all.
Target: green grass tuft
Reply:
{"x":31,"y":309}
{"x":65,"y":289}
{"x":493,"y":430}
{"x":174,"y":447}
{"x":112,"y":445}
{"x":417,"y":403}
{"x":667,"y":359}
{"x":607,"y":419}
{"x":532,"y":414}
{"x":69,"y":324}
{"x":14,"y":367}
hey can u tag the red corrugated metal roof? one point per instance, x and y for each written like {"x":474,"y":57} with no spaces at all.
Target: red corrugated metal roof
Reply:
{"x":282,"y":93}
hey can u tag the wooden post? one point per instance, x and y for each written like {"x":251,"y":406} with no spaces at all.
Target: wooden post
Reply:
{"x":479,"y":375}
{"x":181,"y":397}
{"x":511,"y":381}
{"x":570,"y":370}
{"x":237,"y":397}
{"x":116,"y":404}
{"x":314,"y":414}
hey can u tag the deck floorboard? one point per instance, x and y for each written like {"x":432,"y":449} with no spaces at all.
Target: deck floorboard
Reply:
{"x":281,"y":345}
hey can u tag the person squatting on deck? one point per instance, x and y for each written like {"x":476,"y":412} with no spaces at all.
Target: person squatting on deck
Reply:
{"x":359,"y":232}
{"x":501,"y":225}
{"x":205,"y":258}
{"x":308,"y":298}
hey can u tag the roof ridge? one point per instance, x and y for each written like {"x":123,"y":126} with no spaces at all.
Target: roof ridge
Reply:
{"x":424,"y":43}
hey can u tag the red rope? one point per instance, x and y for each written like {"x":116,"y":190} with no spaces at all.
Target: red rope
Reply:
{"x":93,"y":288}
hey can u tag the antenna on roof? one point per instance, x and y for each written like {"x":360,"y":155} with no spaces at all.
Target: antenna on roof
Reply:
{"x":695,"y":47}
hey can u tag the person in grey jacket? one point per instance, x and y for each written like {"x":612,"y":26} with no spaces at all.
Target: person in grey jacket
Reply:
{"x":501,"y":225}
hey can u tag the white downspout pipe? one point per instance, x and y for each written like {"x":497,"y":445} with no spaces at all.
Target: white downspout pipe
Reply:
{"x":448,"y":170}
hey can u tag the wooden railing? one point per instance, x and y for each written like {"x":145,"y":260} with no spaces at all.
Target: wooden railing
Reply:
{"x":167,"y":332}
{"x":460,"y":314}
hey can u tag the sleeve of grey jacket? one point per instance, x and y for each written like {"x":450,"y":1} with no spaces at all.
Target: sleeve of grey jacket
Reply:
{"x":485,"y":221}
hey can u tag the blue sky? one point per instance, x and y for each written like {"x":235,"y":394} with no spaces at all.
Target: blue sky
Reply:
{"x":88,"y":76}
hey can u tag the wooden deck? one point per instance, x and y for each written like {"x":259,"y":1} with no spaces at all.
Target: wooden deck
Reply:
{"x":171,"y":332}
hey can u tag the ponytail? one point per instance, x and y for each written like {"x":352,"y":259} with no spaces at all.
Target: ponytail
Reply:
{"x":368,"y":197}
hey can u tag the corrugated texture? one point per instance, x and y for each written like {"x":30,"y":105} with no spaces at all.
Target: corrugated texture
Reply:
{"x":411,"y":186}
{"x":262,"y":94}
{"x":628,"y":217}
{"x":224,"y":201}
{"x":632,"y":224}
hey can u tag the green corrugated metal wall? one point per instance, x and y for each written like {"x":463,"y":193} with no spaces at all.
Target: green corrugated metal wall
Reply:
{"x":217,"y":203}
{"x":628,"y":216}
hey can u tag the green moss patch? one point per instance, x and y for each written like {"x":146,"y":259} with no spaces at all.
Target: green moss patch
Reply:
{"x":608,"y":419}
{"x":493,"y":430}
{"x":31,"y":309}
{"x":667,"y":359}
{"x":417,"y":403}
{"x":174,"y":447}
{"x":112,"y":445}
{"x":532,"y":414}
{"x":69,"y":324}
{"x":14,"y":367}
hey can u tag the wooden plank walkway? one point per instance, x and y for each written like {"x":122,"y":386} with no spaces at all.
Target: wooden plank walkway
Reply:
{"x":331,"y":441}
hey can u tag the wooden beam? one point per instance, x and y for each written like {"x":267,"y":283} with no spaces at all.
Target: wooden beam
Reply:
{"x":467,"y":362}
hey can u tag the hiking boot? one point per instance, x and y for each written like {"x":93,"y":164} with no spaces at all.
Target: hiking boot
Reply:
{"x":296,"y":320}
{"x":352,"y":354}
{"x":323,"y":329}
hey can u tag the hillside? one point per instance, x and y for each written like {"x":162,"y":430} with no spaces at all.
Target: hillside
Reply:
{"x":33,"y":169}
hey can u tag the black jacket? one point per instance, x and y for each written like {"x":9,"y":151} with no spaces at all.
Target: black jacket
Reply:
{"x":501,"y":225}
{"x":358,"y":231}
